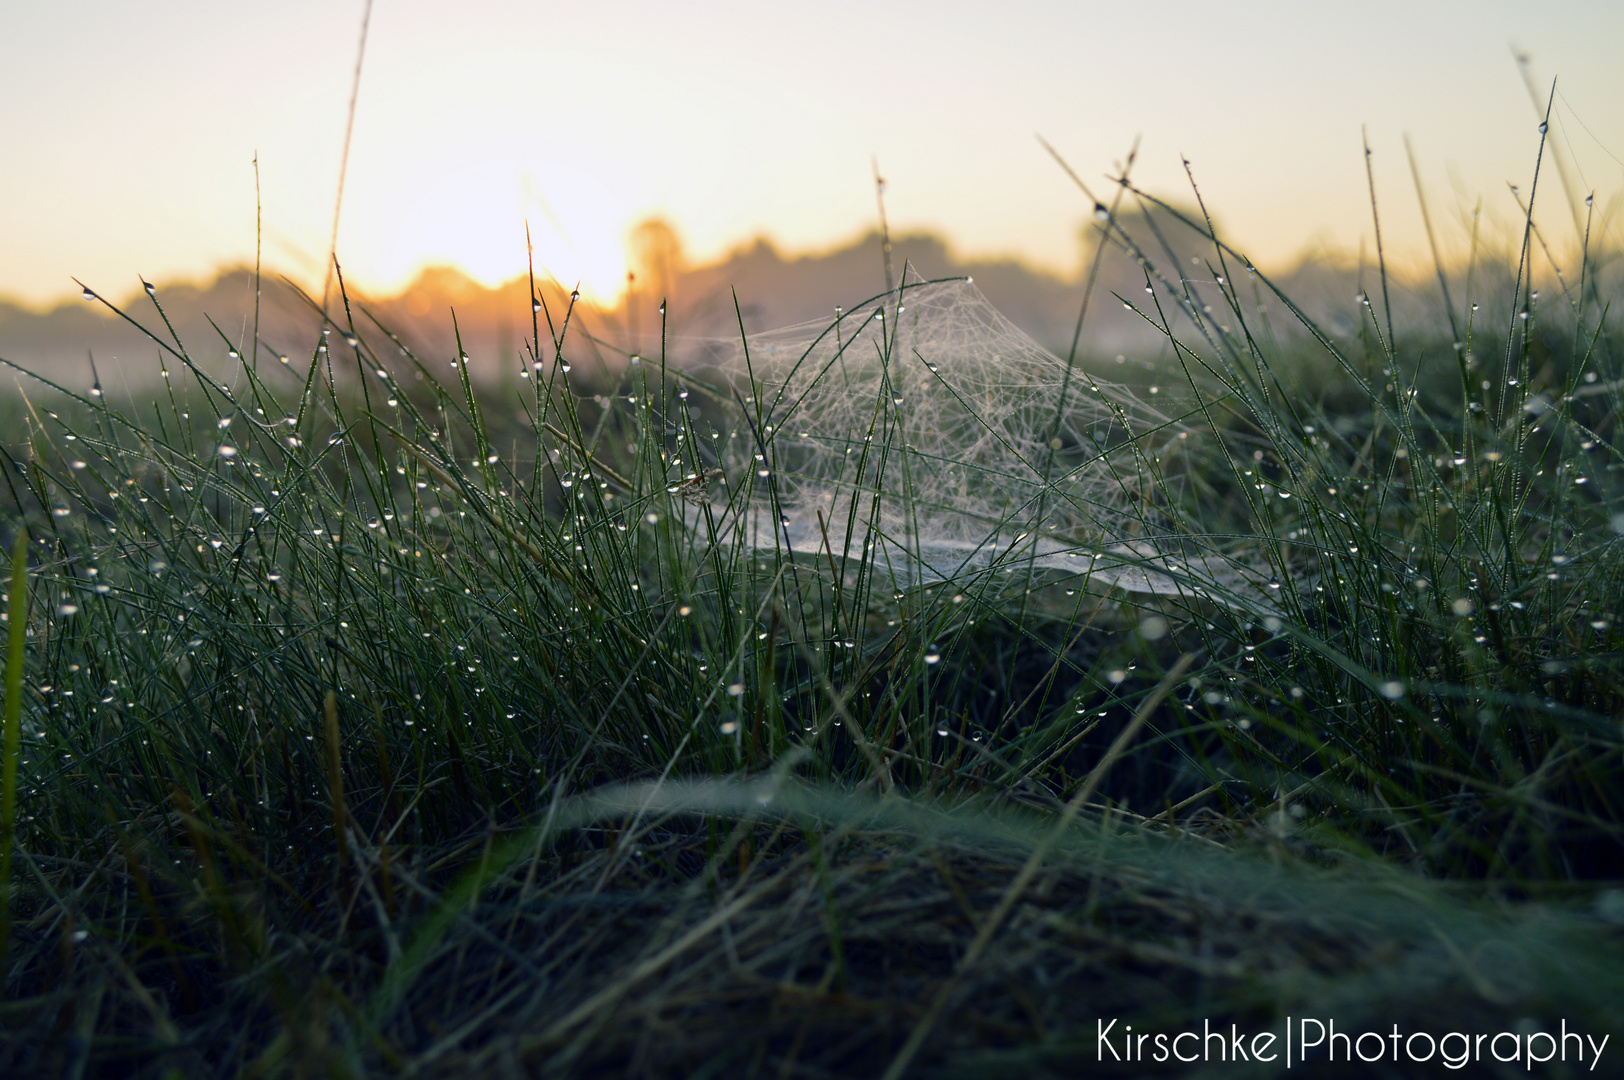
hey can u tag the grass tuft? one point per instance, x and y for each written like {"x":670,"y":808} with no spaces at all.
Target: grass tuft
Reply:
{"x":379,"y":721}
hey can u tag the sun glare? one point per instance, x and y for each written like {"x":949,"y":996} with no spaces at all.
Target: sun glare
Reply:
{"x":472,"y":216}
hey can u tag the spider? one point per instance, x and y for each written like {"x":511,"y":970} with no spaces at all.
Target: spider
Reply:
{"x":695,"y":487}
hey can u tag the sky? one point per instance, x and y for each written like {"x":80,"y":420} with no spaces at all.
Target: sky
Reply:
{"x":129,"y":132}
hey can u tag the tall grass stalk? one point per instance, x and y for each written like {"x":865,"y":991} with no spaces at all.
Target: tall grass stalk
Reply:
{"x":10,"y":730}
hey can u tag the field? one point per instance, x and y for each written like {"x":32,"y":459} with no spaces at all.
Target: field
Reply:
{"x":889,"y":697}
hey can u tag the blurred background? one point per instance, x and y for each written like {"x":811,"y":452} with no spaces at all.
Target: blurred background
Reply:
{"x":682,"y":152}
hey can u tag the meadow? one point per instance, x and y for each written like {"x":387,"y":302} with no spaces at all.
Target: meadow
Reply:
{"x":887,"y":697}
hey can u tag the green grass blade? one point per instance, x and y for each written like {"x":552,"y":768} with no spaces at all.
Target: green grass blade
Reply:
{"x":18,"y":607}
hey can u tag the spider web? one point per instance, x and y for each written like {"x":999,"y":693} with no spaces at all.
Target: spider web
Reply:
{"x":928,"y":434}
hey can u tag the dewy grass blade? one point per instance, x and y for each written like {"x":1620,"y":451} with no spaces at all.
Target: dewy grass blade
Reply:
{"x":10,"y":733}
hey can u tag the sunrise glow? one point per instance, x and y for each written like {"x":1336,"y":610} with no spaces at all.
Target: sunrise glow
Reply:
{"x":734,"y":121}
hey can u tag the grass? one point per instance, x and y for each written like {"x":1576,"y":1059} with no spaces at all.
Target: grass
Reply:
{"x":374,"y":726}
